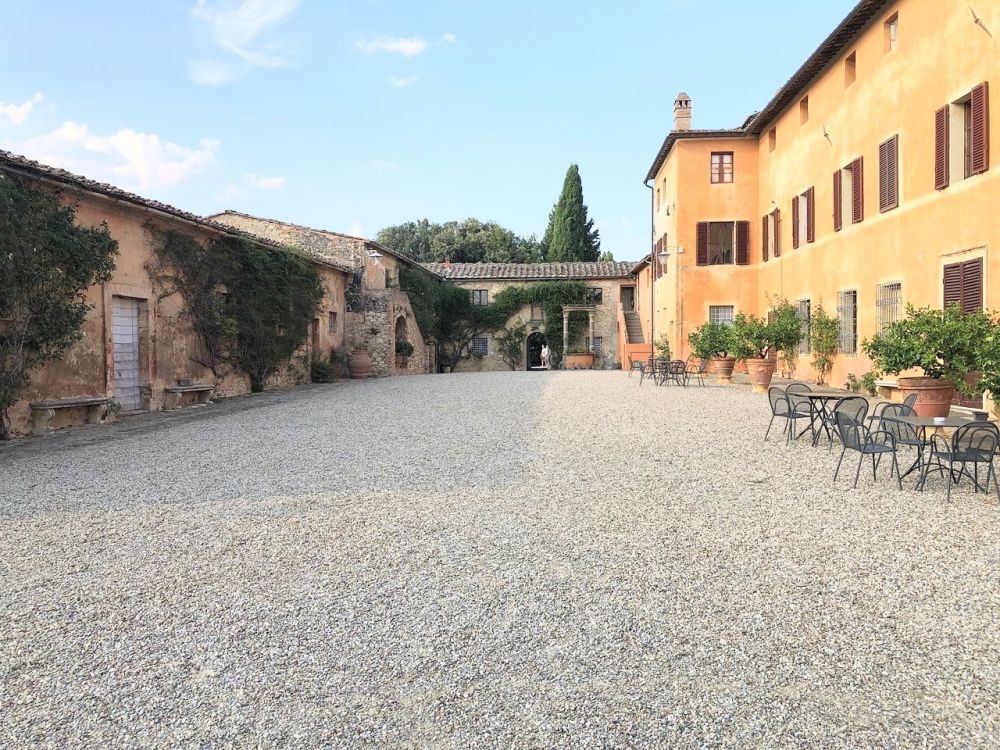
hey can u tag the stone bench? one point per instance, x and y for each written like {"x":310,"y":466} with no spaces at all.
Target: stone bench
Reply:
{"x":173,"y":393}
{"x":43,"y":411}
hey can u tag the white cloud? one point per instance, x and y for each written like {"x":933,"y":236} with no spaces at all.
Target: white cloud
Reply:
{"x":449,"y":37}
{"x":397,"y":45}
{"x":264,"y":183}
{"x":399,"y":83}
{"x":126,"y":158}
{"x":235,"y":27}
{"x":357,"y":229}
{"x":17,"y":114}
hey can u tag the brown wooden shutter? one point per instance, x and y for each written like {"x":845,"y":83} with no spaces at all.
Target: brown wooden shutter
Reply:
{"x":888,"y":175}
{"x":811,"y":215}
{"x":764,"y":238}
{"x":972,"y":285}
{"x":702,"y":242}
{"x":795,"y":222}
{"x":953,"y":284}
{"x":777,"y":233}
{"x":858,"y":190}
{"x":980,"y":128}
{"x":838,"y":207}
{"x":742,"y":243}
{"x":941,"y":137}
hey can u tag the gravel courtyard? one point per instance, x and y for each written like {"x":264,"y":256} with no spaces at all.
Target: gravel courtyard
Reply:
{"x":494,"y":560}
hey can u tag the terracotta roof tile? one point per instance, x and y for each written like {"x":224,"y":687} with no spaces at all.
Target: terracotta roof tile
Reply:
{"x":533,"y":271}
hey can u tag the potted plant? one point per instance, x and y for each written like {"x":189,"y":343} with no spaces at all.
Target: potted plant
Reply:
{"x":824,"y":337}
{"x":404,"y":350}
{"x":579,"y":358}
{"x":755,"y":339}
{"x":662,"y":347}
{"x":360,"y":363}
{"x":946,"y":345}
{"x":713,"y":341}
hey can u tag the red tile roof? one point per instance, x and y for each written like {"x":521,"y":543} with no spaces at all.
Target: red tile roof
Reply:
{"x":533,"y":271}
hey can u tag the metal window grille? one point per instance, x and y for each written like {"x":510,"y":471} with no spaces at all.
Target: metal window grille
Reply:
{"x":480,"y":296}
{"x":847,"y":309}
{"x":481,"y":345}
{"x":720,"y":314}
{"x":598,"y":344}
{"x":804,"y":311}
{"x":331,"y":324}
{"x":890,"y":304}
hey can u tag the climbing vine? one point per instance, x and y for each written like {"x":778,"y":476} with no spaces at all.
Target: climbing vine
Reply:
{"x":446,"y":315}
{"x":250,"y":305}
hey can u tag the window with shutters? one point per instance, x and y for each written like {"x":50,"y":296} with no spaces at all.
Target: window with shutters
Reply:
{"x":803,"y":308}
{"x":888,"y":174}
{"x":963,"y":285}
{"x":850,"y":69}
{"x":480,"y":296}
{"x":848,"y":195}
{"x":803,"y":218}
{"x":891,"y":32}
{"x":723,"y":243}
{"x":962,"y":138}
{"x":890,"y":304}
{"x":722,"y":166}
{"x":480,"y":346}
{"x":847,"y":310}
{"x":720,"y":314}
{"x":772,"y":230}
{"x":804,"y":110}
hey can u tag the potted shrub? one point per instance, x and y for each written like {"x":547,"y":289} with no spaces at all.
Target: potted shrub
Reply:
{"x":946,"y":345}
{"x":755,"y":339}
{"x":404,"y":350}
{"x":579,"y":358}
{"x":824,"y":337}
{"x":661,"y":347}
{"x":713,"y":341}
{"x":360,"y":363}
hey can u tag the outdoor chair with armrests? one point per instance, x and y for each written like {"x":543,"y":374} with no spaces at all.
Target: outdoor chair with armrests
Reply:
{"x":695,"y":368}
{"x":903,"y":433}
{"x":800,"y":408}
{"x":974,"y":443}
{"x":855,"y":407}
{"x":876,"y":414}
{"x":875,"y":443}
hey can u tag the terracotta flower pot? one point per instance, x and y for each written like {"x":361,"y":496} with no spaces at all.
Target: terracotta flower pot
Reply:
{"x":741,"y":366}
{"x":760,"y":372}
{"x":722,"y":368}
{"x":580,"y":361}
{"x":934,"y":396}
{"x":360,"y":364}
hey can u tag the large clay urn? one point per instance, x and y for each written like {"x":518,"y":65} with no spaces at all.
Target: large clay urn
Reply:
{"x":934,"y":396}
{"x":722,"y":368}
{"x":760,"y":372}
{"x":360,"y":364}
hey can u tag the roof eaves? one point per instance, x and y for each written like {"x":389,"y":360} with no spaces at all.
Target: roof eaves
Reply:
{"x":678,"y":135}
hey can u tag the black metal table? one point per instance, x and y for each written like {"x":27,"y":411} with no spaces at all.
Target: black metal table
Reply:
{"x":821,"y":400}
{"x":920,"y":424}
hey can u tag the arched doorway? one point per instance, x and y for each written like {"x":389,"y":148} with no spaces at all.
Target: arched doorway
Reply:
{"x":533,"y":360}
{"x":403,"y":347}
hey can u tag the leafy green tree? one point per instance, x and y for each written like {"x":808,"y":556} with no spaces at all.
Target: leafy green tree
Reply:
{"x":571,"y":235}
{"x":468,"y":241}
{"x":824,"y":337}
{"x":47,"y":263}
{"x":511,"y":344}
{"x":607,"y":256}
{"x":412,"y":239}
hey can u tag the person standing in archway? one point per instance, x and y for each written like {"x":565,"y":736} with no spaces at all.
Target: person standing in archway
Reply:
{"x":545,"y":356}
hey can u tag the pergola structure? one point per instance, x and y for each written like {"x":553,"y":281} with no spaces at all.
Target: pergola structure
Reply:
{"x":590,"y":310}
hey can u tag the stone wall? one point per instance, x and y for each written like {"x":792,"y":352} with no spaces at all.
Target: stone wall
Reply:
{"x":371,"y":317}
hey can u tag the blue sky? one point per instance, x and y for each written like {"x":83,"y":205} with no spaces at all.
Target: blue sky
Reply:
{"x":355,"y":114}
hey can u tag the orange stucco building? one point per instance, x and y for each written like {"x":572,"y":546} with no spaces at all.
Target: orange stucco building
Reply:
{"x":863,"y":185}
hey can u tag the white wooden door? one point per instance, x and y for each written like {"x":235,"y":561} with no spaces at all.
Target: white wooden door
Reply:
{"x":125,"y":322}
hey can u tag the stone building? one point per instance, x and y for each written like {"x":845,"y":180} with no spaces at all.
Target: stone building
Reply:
{"x":137,"y":344}
{"x":613,"y":291}
{"x":377,"y":312}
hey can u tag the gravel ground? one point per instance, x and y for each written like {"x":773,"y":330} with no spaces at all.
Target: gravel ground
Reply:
{"x":490,"y":560}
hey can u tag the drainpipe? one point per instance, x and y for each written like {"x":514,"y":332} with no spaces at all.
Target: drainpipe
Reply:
{"x":652,"y":260}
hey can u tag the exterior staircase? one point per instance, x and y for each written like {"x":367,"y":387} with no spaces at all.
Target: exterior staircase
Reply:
{"x":633,"y":327}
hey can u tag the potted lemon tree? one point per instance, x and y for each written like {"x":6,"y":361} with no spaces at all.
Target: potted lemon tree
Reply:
{"x":755,"y":338}
{"x":713,"y":341}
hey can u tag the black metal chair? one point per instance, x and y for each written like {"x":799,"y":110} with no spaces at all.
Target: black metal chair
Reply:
{"x":799,"y":408}
{"x":875,"y":443}
{"x":903,"y":433}
{"x":779,"y":407}
{"x":675,"y":372}
{"x":975,"y":443}
{"x":908,"y":402}
{"x":649,"y":370}
{"x":635,"y":365}
{"x":695,"y":368}
{"x":855,"y":407}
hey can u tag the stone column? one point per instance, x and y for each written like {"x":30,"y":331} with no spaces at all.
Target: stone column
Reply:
{"x":590,"y":315}
{"x":565,"y":334}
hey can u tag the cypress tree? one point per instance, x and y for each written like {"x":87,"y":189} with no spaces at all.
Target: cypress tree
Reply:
{"x":571,"y":236}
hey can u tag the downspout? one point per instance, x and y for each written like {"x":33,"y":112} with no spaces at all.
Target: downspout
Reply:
{"x":652,"y":260}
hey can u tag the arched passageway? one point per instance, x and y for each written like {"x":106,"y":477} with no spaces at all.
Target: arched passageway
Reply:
{"x":533,"y":358}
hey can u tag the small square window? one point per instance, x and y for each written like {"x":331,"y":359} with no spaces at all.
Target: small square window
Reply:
{"x":598,"y":345}
{"x":892,"y":32}
{"x":772,"y":139}
{"x":480,"y":296}
{"x":850,"y":69}
{"x":722,"y":166}
{"x":480,"y":346}
{"x":804,"y":110}
{"x":331,"y":323}
{"x":720,"y":314}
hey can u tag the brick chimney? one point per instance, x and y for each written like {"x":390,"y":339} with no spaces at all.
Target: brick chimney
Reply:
{"x":682,"y":112}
